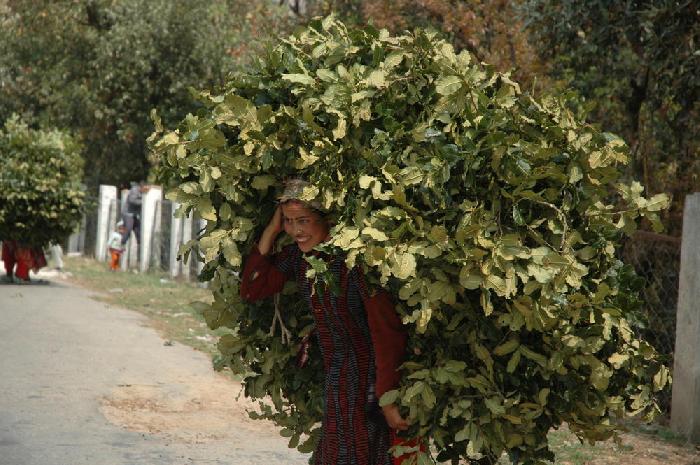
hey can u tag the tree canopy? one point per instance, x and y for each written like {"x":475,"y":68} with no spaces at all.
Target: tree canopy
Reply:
{"x":98,"y":67}
{"x":41,"y":184}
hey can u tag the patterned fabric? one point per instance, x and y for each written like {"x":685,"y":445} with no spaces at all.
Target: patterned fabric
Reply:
{"x":349,"y":326}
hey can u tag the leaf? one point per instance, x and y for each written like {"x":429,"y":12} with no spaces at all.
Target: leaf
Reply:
{"x":470,"y":279}
{"x":403,"y":265}
{"x":413,"y":390}
{"x":345,"y":237}
{"x":261,"y":183}
{"x":541,"y":274}
{"x":496,"y":283}
{"x":428,"y":397}
{"x":376,"y":78}
{"x":617,"y":360}
{"x":375,"y":234}
{"x":389,"y":397}
{"x":306,"y":158}
{"x":206,"y":209}
{"x":170,"y":138}
{"x":513,"y":362}
{"x":326,"y":75}
{"x":600,"y":376}
{"x":661,"y":378}
{"x":231,"y":252}
{"x":438,"y":234}
{"x":309,"y":193}
{"x":657,"y":203}
{"x":304,"y":79}
{"x":464,"y":433}
{"x":494,"y":405}
{"x":340,"y":130}
{"x":365,"y":181}
{"x":534,"y":356}
{"x":506,"y":347}
{"x":225,"y":211}
{"x":485,"y":301}
{"x":448,"y":85}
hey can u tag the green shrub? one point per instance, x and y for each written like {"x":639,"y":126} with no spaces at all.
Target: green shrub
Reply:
{"x":41,"y":199}
{"x":491,"y":216}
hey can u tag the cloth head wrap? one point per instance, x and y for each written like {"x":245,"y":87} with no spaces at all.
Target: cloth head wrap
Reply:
{"x":293,"y":189}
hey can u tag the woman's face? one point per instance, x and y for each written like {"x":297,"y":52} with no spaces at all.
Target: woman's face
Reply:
{"x":305,"y":225}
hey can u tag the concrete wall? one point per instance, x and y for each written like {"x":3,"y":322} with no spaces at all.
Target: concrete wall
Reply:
{"x":160,"y":236}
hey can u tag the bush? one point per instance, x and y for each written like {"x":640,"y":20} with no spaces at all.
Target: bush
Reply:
{"x":41,"y":199}
{"x":492,"y":217}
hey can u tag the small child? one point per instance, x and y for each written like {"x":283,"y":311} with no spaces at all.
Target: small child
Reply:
{"x":115,"y":246}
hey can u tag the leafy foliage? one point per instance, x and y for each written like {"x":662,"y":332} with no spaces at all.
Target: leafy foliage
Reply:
{"x":41,"y":198}
{"x":492,"y":216}
{"x":492,"y":32}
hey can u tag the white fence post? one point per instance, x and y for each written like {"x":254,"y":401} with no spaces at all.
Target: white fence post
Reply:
{"x":148,"y":220}
{"x":107,"y":194}
{"x":129,"y":260}
{"x":685,"y":402}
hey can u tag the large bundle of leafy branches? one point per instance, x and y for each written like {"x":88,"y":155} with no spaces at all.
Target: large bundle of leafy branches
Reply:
{"x":491,"y":216}
{"x":41,"y":199}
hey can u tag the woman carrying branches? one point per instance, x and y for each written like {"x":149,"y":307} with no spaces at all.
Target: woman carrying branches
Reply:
{"x":361,"y":337}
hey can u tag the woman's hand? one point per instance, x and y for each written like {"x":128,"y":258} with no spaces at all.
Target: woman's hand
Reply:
{"x":272,"y":230}
{"x":394,"y":418}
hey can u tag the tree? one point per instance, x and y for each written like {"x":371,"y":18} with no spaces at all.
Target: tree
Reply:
{"x":637,"y":66}
{"x":41,"y":195}
{"x":98,"y":67}
{"x":492,"y":217}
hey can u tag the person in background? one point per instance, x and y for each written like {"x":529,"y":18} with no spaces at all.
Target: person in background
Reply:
{"x":19,"y":259}
{"x":115,"y":246}
{"x":131,"y":218}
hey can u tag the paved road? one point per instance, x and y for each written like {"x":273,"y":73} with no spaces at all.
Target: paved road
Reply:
{"x":84,"y":383}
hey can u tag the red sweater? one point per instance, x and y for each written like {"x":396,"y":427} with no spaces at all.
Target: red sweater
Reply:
{"x":264,"y":276}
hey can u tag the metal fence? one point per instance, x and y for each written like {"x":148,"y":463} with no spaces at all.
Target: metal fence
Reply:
{"x":657,"y":260}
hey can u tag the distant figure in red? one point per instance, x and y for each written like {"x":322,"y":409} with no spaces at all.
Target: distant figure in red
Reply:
{"x":115,"y":246}
{"x":361,"y":337}
{"x":22,"y":257}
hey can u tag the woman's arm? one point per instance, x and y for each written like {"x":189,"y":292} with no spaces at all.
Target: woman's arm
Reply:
{"x":262,"y":276}
{"x":389,"y":341}
{"x":269,"y":235}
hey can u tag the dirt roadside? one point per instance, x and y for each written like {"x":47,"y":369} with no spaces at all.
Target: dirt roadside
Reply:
{"x":87,"y":383}
{"x":197,"y":411}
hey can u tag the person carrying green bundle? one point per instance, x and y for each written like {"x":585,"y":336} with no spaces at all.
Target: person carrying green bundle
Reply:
{"x":361,"y":337}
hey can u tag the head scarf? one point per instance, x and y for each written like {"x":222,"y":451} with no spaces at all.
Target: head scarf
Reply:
{"x":293,"y":189}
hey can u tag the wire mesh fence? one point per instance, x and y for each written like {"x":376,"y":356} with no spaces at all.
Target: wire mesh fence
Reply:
{"x":657,"y":260}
